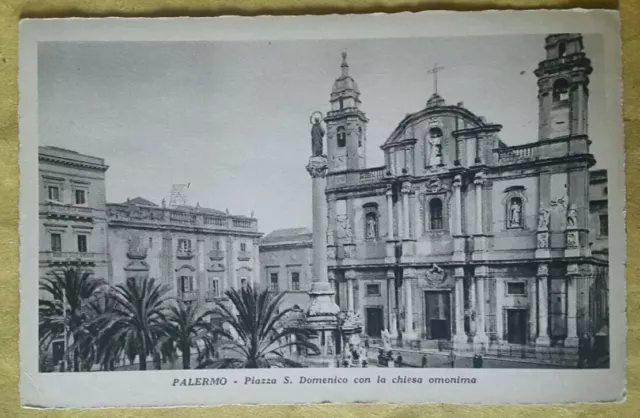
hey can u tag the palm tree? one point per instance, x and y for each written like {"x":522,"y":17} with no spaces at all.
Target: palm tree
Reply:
{"x":257,"y":335}
{"x":138,"y":321}
{"x":187,"y":327}
{"x":64,"y":309}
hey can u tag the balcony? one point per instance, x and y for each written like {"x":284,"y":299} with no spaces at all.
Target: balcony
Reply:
{"x":67,"y":258}
{"x":244,"y":256}
{"x":184,"y":254}
{"x":70,"y":212}
{"x":216,"y":255}
{"x":518,"y":154}
{"x":211,"y":296}
{"x":188,"y":296}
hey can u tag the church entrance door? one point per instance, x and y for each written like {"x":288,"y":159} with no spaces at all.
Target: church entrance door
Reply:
{"x":375,"y":322}
{"x":517,"y":326}
{"x":438,"y":315}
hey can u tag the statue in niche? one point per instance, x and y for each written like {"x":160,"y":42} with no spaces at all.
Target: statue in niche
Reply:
{"x":543,"y":219}
{"x":572,"y":216}
{"x":317,"y":133}
{"x":372,"y":226}
{"x":515,"y":213}
{"x":435,"y":146}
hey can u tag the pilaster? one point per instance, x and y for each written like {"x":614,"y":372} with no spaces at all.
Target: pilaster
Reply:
{"x":543,"y":306}
{"x":460,"y":336}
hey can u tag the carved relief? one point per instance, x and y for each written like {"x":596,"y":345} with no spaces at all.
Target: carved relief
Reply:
{"x":572,"y":216}
{"x":543,"y":270}
{"x":434,"y":278}
{"x":543,"y":240}
{"x":572,"y":239}
{"x":543,"y":219}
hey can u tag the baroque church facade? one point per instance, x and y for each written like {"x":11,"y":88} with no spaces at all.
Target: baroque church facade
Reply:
{"x":462,"y":238}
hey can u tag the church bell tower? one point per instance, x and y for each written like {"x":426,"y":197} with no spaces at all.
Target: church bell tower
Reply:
{"x":563,"y":93}
{"x":346,"y":124}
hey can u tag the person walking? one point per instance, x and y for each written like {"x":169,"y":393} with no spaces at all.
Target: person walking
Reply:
{"x":424,"y":361}
{"x":452,"y":358}
{"x":399,"y":360}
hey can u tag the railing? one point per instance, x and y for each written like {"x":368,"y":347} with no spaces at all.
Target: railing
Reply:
{"x":356,"y":177}
{"x":244,"y":256}
{"x":188,"y":296}
{"x":517,"y":154}
{"x":372,"y":174}
{"x":242,"y":223}
{"x":184,"y":254}
{"x":214,"y":220}
{"x":67,"y":257}
{"x":60,"y":210}
{"x":210,"y":296}
{"x":123,"y":212}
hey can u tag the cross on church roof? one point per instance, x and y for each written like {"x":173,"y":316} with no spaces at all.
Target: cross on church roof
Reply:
{"x":435,"y":70}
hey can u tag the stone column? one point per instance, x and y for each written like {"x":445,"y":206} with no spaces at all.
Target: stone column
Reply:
{"x":481,"y":333}
{"x":391,"y":293}
{"x":460,"y":336}
{"x":473,"y":305}
{"x":458,"y":239}
{"x":417,"y":227}
{"x":457,"y":216}
{"x":350,"y":275}
{"x":572,"y":314}
{"x":333,"y":283}
{"x":499,"y":305}
{"x":478,"y":182}
{"x":321,"y":295}
{"x":406,"y":189}
{"x":409,"y":333}
{"x":390,"y":216}
{"x":543,"y":306}
{"x":255,"y":274}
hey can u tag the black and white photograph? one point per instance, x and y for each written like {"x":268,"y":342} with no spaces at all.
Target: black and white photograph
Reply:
{"x":236,"y":206}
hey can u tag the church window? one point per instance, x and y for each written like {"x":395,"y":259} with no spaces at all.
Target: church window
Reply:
{"x":435,"y":214}
{"x":516,"y":288}
{"x":562,"y":49}
{"x":373,"y":290}
{"x":561,"y":90}
{"x":184,"y":245}
{"x":359,"y":136}
{"x":341,"y":102}
{"x":342,"y":137}
{"x":514,"y":213}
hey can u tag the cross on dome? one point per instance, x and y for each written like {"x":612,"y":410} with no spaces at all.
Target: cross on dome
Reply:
{"x":435,"y":70}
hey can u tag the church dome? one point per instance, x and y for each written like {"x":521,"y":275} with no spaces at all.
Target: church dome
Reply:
{"x":435,"y":100}
{"x":345,"y":82}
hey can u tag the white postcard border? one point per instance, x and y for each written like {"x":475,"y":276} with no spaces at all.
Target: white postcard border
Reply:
{"x":155,"y":388}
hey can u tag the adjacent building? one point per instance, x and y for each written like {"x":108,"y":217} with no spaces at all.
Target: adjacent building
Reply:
{"x":198,"y":252}
{"x":461,"y":237}
{"x":73,"y":224}
{"x":286,"y":259}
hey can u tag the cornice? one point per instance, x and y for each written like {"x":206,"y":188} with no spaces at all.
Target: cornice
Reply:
{"x":72,"y":163}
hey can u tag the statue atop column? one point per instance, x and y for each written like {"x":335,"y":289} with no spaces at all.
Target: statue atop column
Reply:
{"x":317,"y":134}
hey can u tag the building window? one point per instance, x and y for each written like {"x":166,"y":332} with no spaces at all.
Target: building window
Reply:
{"x":150,"y":242}
{"x":54,"y":193}
{"x":516,"y":288}
{"x":514,"y":213}
{"x":81,"y":197}
{"x":82,"y":243}
{"x":243,"y":282}
{"x":435,"y":214}
{"x":56,"y":243}
{"x":605,"y":190}
{"x":295,"y":280}
{"x":359,"y":136}
{"x":604,"y":225}
{"x":371,"y":225}
{"x":186,"y":284}
{"x":214,"y":287}
{"x":561,"y":91}
{"x":341,"y":103}
{"x":373,"y":290}
{"x":217,"y":245}
{"x":342,"y":137}
{"x":184,"y":245}
{"x":243,"y":247}
{"x":273,"y":283}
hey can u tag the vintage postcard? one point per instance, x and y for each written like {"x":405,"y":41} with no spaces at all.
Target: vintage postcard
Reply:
{"x":407,"y":208}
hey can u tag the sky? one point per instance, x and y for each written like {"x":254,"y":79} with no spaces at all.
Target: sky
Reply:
{"x":232,"y":118}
